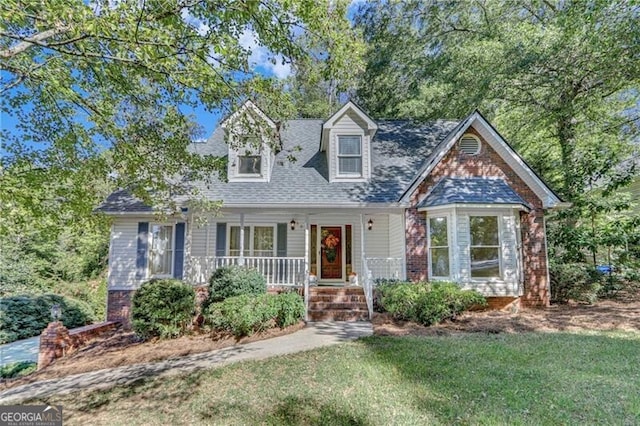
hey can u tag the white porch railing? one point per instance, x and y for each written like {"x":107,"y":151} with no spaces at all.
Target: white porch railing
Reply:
{"x":385,"y":267}
{"x":285,"y":271}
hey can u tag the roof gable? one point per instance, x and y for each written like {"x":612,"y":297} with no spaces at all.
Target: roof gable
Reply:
{"x":350,"y":107}
{"x":248,"y":108}
{"x":499,"y":144}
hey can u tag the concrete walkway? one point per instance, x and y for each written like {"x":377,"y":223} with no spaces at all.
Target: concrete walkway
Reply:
{"x":21,"y":350}
{"x":315,"y":335}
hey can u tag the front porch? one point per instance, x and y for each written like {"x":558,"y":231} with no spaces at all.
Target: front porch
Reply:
{"x":300,"y":250}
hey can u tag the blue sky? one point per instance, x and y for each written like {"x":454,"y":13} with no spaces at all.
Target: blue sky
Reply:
{"x":260,"y":60}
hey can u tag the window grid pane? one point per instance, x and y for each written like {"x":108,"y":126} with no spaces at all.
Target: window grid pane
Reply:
{"x":485,"y":247}
{"x":161,"y":252}
{"x":350,"y":165}
{"x":263,"y":241}
{"x":349,"y":145}
{"x":439,"y":247}
{"x":234,"y":240}
{"x":249,"y":164}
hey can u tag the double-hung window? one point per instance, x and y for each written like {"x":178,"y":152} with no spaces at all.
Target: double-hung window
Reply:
{"x":485,"y":247}
{"x":349,"y":155}
{"x":160,"y":250}
{"x":250,"y":165}
{"x":439,"y":247}
{"x":258,"y":241}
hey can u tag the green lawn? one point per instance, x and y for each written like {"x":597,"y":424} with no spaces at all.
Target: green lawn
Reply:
{"x":532,"y":378}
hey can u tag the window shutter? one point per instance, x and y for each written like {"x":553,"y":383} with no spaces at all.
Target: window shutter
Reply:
{"x":282,"y":240}
{"x":221,"y":239}
{"x":178,"y":257}
{"x":142,"y":251}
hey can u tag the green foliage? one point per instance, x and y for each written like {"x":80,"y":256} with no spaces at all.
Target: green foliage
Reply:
{"x":27,"y":315}
{"x":290,"y":309}
{"x":427,"y":303}
{"x":163,"y":308}
{"x":94,"y":293}
{"x":233,"y":280}
{"x":17,"y":369}
{"x":574,"y":281}
{"x":246,"y":314}
{"x":111,"y":87}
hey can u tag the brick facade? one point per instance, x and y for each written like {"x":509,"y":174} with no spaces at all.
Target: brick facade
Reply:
{"x":487,"y":163}
{"x":119,"y":307}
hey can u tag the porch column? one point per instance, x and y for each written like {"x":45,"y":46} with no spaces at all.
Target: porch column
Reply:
{"x":307,"y":259}
{"x":188,"y":264}
{"x":365,"y":269}
{"x":241,"y":257}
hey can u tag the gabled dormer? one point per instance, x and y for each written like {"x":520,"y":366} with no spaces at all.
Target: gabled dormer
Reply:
{"x":346,"y":139}
{"x":251,"y":137}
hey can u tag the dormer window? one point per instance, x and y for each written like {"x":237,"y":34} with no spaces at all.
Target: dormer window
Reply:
{"x":250,"y":165}
{"x":350,"y":155}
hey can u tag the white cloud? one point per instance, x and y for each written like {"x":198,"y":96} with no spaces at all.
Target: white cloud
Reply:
{"x":200,"y":27}
{"x":261,"y":57}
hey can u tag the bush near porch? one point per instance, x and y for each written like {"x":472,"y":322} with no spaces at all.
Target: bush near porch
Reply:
{"x":234,"y":280}
{"x":247,"y":314}
{"x":163,"y":308}
{"x":426,"y":303}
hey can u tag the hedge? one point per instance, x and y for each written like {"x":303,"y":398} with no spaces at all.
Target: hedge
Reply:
{"x":163,"y":308}
{"x":26,"y":316}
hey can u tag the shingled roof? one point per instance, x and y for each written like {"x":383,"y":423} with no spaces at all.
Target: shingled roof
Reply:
{"x":471,"y":191}
{"x":399,"y":150}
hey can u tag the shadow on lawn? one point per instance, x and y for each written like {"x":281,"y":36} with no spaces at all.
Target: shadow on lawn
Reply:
{"x":535,"y":378}
{"x":291,"y":410}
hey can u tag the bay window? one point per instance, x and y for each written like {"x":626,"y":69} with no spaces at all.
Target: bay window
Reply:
{"x":439,"y":247}
{"x":485,"y":247}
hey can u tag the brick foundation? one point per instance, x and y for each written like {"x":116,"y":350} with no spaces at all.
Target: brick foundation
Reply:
{"x":119,"y":307}
{"x":487,"y":163}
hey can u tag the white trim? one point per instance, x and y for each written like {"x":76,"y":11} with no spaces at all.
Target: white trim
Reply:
{"x":148,"y":274}
{"x":371,"y":128}
{"x":349,"y":176}
{"x":475,"y":206}
{"x":245,"y":106}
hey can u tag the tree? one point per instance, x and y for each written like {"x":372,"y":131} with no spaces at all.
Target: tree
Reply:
{"x":99,"y":89}
{"x":559,"y":79}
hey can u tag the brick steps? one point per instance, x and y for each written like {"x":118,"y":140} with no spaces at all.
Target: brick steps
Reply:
{"x":337,"y":304}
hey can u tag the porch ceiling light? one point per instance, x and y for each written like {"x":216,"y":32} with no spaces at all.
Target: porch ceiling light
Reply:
{"x":370,"y":224}
{"x":293,"y":224}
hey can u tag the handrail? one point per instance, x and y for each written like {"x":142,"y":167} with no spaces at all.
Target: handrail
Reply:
{"x":281,"y":271}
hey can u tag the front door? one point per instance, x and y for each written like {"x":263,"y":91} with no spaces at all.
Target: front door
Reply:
{"x":331,"y":253}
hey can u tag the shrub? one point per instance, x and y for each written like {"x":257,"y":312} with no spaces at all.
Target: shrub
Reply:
{"x":247,"y":314}
{"x":17,"y":369}
{"x":290,"y":309}
{"x":446,"y":301}
{"x":92,"y":292}
{"x":27,"y":315}
{"x":574,"y":281}
{"x":230,"y":281}
{"x":426,"y":303}
{"x":163,"y":308}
